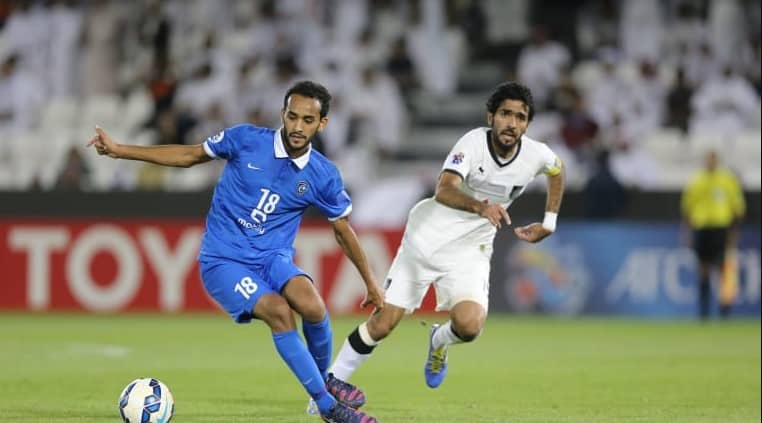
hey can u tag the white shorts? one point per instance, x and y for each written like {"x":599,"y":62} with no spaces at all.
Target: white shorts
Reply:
{"x":458,"y":274}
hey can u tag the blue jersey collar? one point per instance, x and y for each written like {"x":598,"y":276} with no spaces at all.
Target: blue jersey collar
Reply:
{"x":280,"y":151}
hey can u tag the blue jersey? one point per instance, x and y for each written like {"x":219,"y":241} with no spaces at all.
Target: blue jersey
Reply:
{"x":262,"y":194}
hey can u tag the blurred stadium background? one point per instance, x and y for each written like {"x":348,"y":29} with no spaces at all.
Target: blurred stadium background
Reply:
{"x":630,"y":94}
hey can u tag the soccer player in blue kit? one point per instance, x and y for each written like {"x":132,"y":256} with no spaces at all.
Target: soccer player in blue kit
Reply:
{"x":246,"y":257}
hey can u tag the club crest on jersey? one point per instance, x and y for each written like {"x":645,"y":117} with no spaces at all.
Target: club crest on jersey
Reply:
{"x":457,"y":158}
{"x":302,"y":187}
{"x":217,"y":138}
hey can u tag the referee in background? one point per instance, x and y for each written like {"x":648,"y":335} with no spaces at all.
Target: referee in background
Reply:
{"x":712,"y":206}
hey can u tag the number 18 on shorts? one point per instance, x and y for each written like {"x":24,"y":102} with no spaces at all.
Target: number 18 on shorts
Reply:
{"x":235,"y":287}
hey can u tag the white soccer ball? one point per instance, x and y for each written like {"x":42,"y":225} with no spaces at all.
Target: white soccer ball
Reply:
{"x":146,"y":400}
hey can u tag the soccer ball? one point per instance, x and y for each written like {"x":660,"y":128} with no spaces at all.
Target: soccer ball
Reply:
{"x":146,"y":400}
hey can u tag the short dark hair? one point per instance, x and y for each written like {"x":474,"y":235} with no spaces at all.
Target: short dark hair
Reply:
{"x":312,"y":90}
{"x":511,"y":91}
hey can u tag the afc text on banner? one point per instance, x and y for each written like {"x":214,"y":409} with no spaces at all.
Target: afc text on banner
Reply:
{"x":632,"y":269}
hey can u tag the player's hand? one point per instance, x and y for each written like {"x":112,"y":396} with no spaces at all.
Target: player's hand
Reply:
{"x":374,"y":296}
{"x":495,"y":213}
{"x":104,"y":145}
{"x":532,"y":233}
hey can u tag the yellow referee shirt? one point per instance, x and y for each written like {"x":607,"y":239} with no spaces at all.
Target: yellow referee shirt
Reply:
{"x":713,"y":200}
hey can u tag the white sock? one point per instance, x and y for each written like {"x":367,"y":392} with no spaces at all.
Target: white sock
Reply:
{"x":445,"y":336}
{"x":349,"y":358}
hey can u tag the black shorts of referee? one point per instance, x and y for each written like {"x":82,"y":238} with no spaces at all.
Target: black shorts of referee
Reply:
{"x":710,"y":244}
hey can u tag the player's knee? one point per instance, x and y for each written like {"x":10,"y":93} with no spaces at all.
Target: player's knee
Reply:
{"x":275,"y":311}
{"x":314,"y":312}
{"x":305,"y":299}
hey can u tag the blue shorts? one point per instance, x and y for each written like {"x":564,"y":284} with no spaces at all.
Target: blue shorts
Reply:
{"x":237,"y":287}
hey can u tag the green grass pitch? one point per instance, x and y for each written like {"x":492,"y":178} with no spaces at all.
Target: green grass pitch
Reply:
{"x":71,"y":368}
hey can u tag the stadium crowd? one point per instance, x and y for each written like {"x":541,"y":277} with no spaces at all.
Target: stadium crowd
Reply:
{"x":641,"y":87}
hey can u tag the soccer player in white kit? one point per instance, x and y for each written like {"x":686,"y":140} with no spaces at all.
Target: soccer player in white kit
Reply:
{"x":448,"y":238}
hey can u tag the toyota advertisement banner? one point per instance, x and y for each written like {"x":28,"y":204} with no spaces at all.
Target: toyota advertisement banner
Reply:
{"x":122,"y":265}
{"x":150,"y":265}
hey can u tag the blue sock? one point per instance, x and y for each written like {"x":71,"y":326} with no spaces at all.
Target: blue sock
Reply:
{"x":320,"y":343}
{"x":295,"y":354}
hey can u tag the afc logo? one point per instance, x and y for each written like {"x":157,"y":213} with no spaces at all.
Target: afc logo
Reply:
{"x":302,"y":187}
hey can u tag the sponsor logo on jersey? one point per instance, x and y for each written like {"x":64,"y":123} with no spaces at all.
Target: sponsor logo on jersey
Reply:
{"x":457,"y":158}
{"x":256,"y":226}
{"x":302,"y":187}
{"x":217,"y":138}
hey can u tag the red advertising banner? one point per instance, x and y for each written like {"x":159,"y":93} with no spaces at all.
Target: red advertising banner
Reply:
{"x":150,"y":265}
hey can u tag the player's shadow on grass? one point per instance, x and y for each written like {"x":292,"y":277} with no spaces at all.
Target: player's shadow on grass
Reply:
{"x":255,"y":409}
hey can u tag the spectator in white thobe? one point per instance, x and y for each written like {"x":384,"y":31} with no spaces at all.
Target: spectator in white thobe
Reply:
{"x":725,"y":106}
{"x":541,"y":64}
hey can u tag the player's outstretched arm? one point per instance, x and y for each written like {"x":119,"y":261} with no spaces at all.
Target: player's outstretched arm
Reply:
{"x":165,"y":155}
{"x":348,"y":241}
{"x":536,"y":232}
{"x":449,"y":193}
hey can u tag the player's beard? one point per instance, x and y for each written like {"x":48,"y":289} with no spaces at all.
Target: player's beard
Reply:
{"x":295,"y":145}
{"x":504,"y":149}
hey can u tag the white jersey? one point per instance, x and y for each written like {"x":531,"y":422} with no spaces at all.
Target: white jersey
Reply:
{"x":432,"y":225}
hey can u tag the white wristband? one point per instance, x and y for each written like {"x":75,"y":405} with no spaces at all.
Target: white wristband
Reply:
{"x":549,"y":222}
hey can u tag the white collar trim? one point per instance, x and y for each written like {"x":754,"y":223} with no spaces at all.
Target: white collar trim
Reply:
{"x":280,"y":151}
